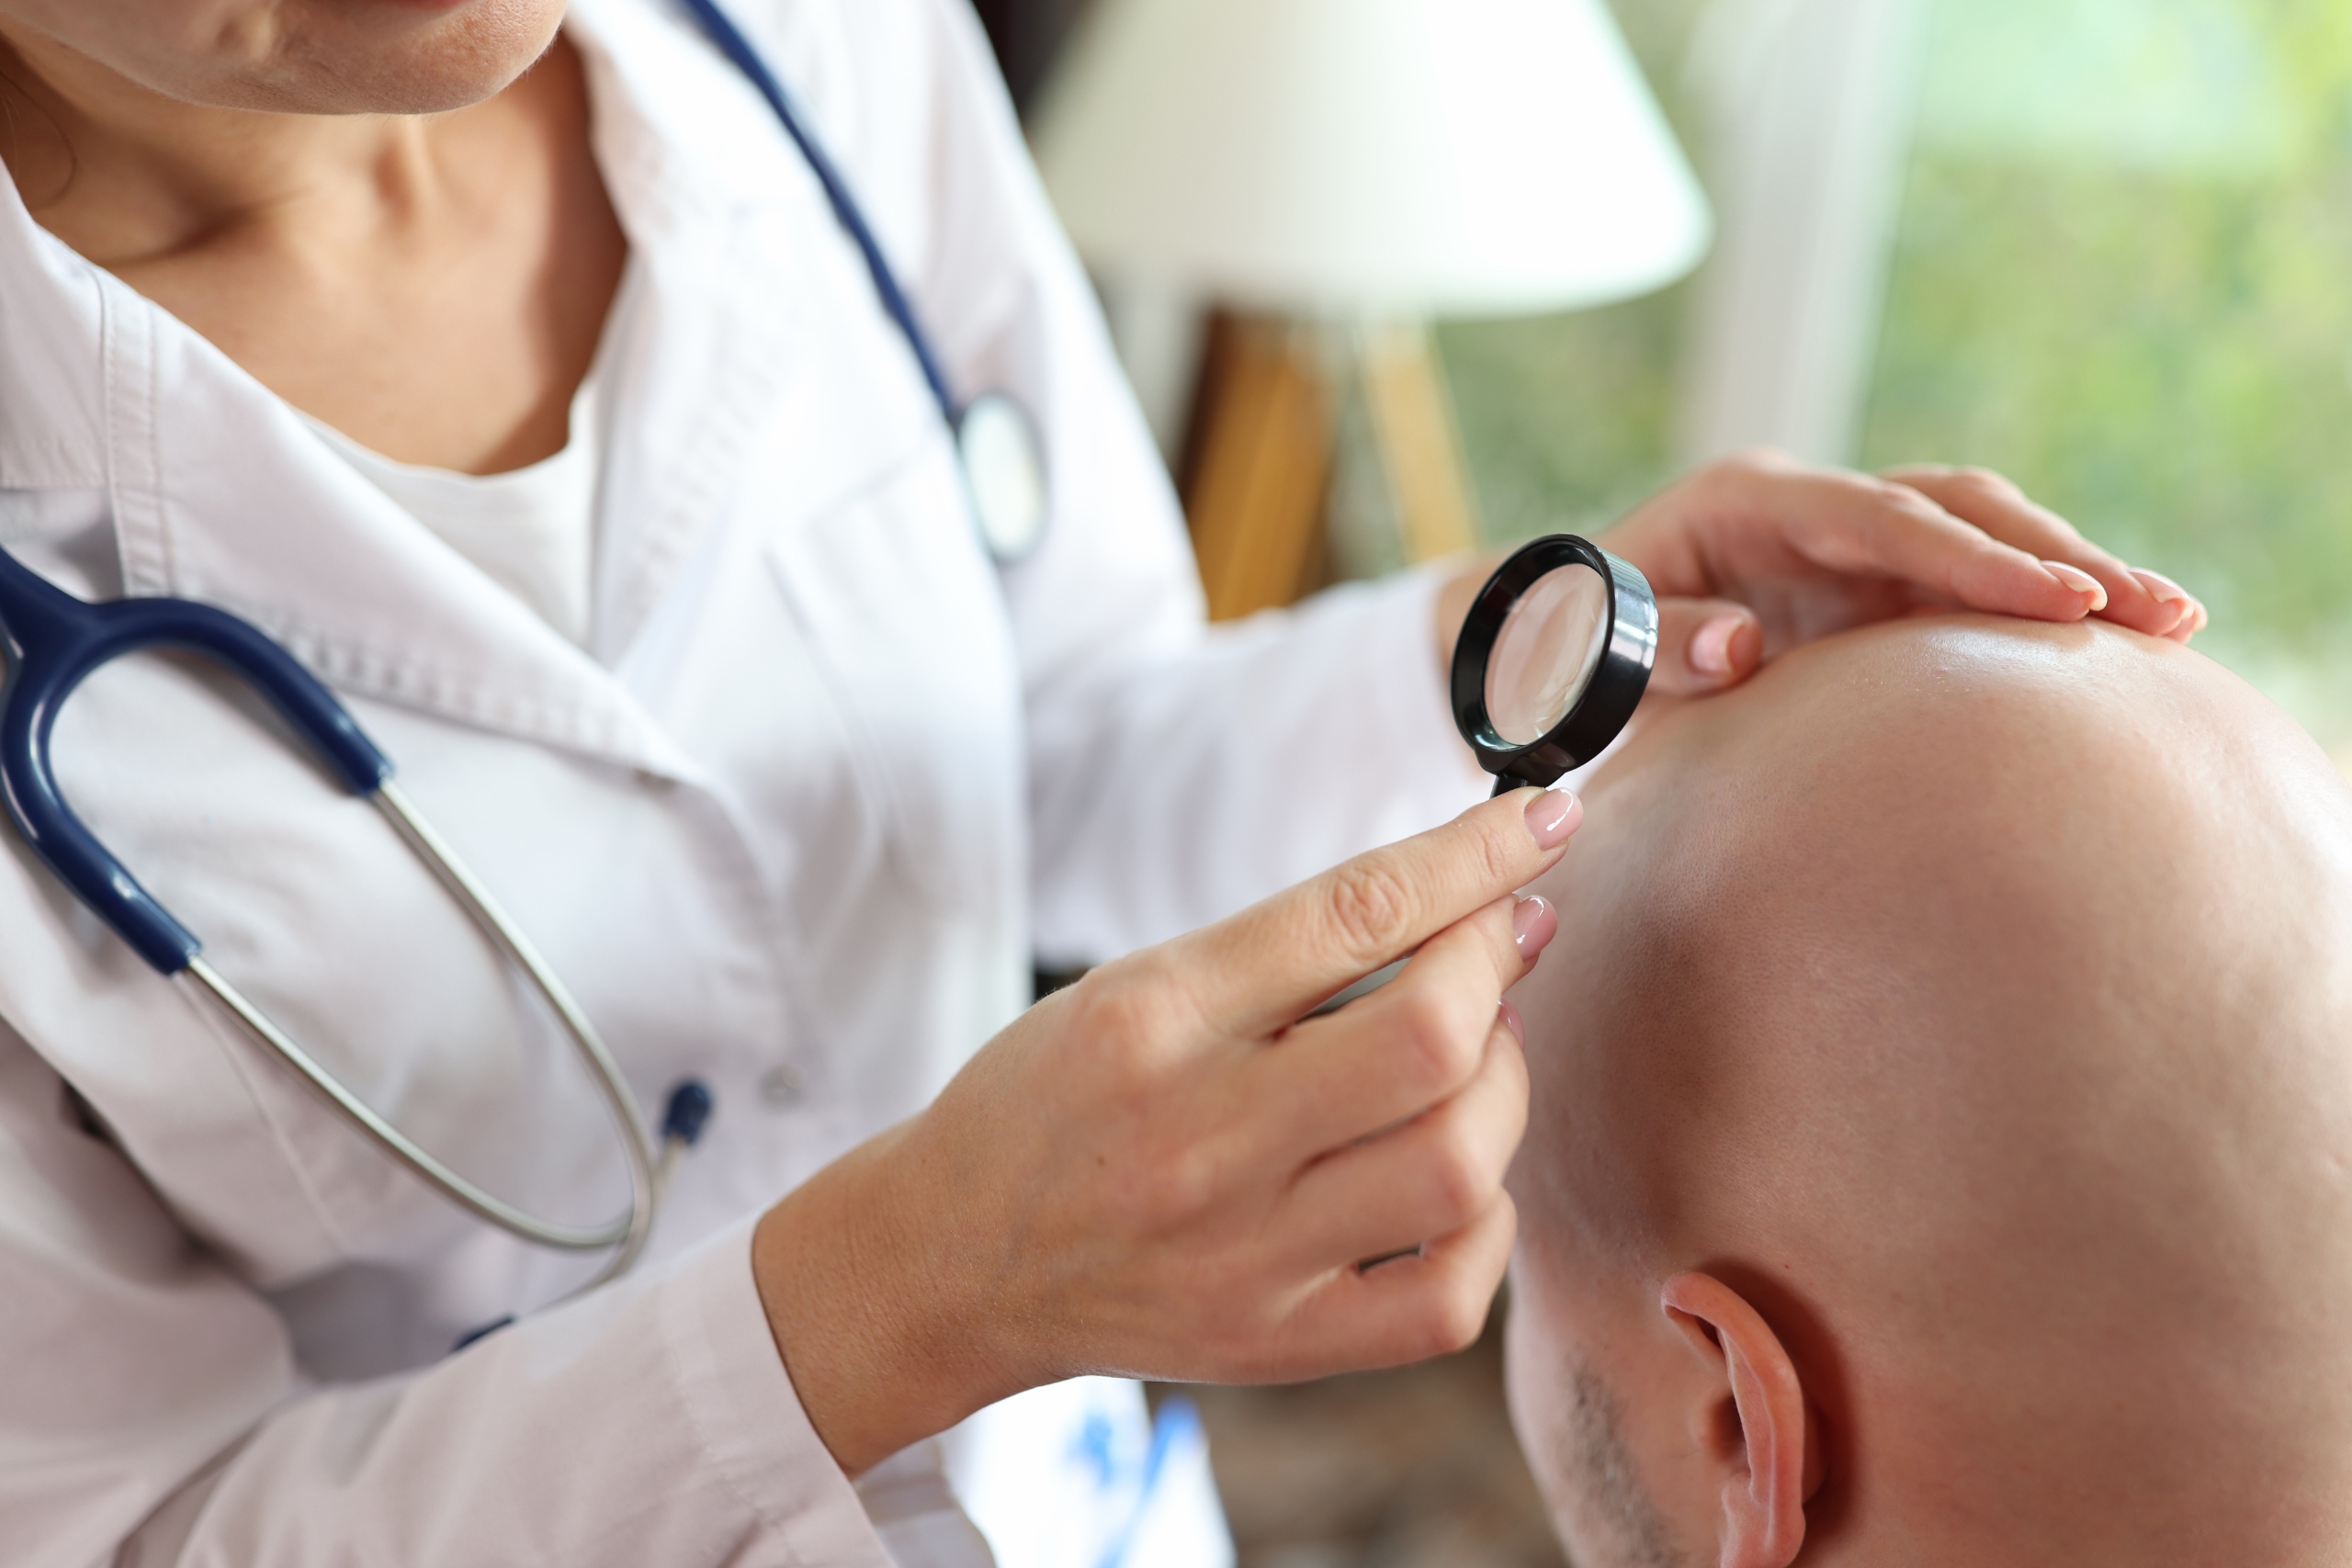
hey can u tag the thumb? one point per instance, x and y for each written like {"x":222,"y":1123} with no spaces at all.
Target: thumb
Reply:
{"x":1705,"y":645}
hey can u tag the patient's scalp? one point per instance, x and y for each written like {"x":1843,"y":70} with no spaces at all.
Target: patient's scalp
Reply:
{"x":1970,"y":853}
{"x":1991,"y":982}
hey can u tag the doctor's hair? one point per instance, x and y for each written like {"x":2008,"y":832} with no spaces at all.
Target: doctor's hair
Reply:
{"x":24,"y":124}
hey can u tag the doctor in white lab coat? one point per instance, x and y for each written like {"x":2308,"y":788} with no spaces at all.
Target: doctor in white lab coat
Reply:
{"x":559,"y":431}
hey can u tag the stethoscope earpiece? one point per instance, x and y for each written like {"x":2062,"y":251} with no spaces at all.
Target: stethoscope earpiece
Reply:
{"x":1553,"y":659}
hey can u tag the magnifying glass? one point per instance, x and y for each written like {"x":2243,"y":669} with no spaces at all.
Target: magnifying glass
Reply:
{"x":1554,"y":658}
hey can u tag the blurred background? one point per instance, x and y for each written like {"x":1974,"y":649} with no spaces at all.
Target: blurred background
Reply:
{"x":2102,"y":245}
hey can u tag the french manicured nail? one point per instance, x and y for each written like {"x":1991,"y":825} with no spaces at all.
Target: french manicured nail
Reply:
{"x":2171,"y":594}
{"x":1552,"y":817}
{"x":2078,"y":579}
{"x":1710,"y":652}
{"x":1512,"y":1022}
{"x":1533,"y":925}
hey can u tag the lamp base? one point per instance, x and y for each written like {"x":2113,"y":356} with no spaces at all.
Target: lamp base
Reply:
{"x":1265,"y":435}
{"x":1257,"y":467}
{"x":1413,"y":426}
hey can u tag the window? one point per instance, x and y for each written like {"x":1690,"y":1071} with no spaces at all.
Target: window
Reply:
{"x":2122,"y":273}
{"x":2102,"y":245}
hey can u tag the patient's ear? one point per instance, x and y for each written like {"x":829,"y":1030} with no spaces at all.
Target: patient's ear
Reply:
{"x":1757,"y":1425}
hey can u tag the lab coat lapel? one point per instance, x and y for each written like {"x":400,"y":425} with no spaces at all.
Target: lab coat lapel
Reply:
{"x":221,"y":495}
{"x":52,"y":404}
{"x":757,"y":317}
{"x":220,"y":492}
{"x":688,"y":164}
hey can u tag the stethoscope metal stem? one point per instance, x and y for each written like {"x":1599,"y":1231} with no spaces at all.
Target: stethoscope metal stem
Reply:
{"x":625,"y":1234}
{"x":50,"y":640}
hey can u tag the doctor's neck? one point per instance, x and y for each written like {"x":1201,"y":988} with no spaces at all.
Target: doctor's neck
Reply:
{"x":136,"y":130}
{"x":321,"y":184}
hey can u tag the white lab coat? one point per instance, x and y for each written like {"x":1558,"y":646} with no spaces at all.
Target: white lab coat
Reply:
{"x":794,"y":822}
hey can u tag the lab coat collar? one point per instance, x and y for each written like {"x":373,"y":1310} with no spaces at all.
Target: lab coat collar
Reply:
{"x":697,"y":168}
{"x":53,"y":403}
{"x":220,"y":493}
{"x":685,"y":134}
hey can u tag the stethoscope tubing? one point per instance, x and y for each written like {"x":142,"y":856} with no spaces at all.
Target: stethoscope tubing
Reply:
{"x":625,"y":1234}
{"x":55,"y":641}
{"x":1010,"y":527}
{"x":730,"y":41}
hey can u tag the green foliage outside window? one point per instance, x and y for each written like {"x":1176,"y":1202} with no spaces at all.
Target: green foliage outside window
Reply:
{"x":2122,"y":273}
{"x":2123,"y":276}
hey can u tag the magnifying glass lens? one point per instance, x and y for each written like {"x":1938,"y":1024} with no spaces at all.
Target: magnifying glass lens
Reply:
{"x":1545,"y":655}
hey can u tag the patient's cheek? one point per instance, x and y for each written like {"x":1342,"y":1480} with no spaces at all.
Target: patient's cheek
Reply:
{"x":1531,"y":1377}
{"x":1568,"y":1362}
{"x":1538,"y":1379}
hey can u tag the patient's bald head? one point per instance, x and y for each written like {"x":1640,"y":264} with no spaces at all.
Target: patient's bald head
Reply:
{"x":1942,"y":1141}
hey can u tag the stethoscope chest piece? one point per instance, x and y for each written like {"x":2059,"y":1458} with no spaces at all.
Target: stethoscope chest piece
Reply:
{"x":1003,"y":462}
{"x":1553,"y":659}
{"x":996,"y":441}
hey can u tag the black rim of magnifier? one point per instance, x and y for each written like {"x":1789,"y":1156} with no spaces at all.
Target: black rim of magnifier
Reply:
{"x":1608,"y":701}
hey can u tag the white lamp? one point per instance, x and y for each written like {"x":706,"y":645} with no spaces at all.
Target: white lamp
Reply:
{"x":1365,"y":157}
{"x":1372,"y":163}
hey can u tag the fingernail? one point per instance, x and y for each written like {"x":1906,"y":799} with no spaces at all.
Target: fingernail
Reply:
{"x":1533,"y":923}
{"x":2078,"y":579}
{"x":1512,"y":1022}
{"x":2166,"y":592}
{"x":1552,"y":817}
{"x":1710,"y":651}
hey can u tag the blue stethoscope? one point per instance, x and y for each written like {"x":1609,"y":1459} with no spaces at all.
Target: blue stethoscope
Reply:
{"x":55,"y":641}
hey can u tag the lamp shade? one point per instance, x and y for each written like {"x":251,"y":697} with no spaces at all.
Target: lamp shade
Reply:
{"x":1417,"y":156}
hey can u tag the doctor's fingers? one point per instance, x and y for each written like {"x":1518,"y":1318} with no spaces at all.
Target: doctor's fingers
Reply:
{"x":1427,"y":1303}
{"x":1705,"y":645}
{"x":1412,"y":1045}
{"x":1860,"y":527}
{"x":1267,"y":966}
{"x":2142,"y":600}
{"x":1428,"y":1177}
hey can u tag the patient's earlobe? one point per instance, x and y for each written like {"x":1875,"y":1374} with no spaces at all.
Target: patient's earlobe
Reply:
{"x":1762,"y":1428}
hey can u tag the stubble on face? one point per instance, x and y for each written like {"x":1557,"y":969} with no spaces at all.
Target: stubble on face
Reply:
{"x":1620,"y":1526}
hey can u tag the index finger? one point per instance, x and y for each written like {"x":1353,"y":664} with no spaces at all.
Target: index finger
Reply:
{"x":2156,"y":606}
{"x":1270,"y":965}
{"x":1857,"y":524}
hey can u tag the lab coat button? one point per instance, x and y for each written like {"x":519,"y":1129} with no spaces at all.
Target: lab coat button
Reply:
{"x":781,"y":1087}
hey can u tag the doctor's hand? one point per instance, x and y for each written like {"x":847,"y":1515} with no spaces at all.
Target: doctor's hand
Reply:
{"x":1171,"y":1170}
{"x":1758,"y":553}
